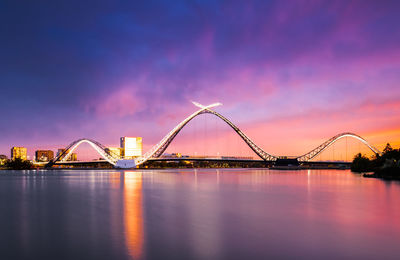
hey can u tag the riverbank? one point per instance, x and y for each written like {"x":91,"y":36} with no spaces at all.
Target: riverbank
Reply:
{"x":384,"y":166}
{"x":386,"y":174}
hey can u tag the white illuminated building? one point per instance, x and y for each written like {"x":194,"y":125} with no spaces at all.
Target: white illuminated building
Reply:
{"x":132,"y":147}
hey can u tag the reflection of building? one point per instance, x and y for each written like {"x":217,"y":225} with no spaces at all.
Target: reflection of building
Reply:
{"x":3,"y":159}
{"x":114,"y":151}
{"x":131,"y":147}
{"x":133,"y":213}
{"x":72,"y":156}
{"x":18,"y":152}
{"x":44,"y":155}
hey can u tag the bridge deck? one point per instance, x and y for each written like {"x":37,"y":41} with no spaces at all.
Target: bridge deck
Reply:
{"x":206,"y":160}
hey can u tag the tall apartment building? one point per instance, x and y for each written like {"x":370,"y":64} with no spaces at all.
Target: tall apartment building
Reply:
{"x":60,"y":151}
{"x":44,"y":155}
{"x":72,"y":157}
{"x":18,"y":152}
{"x":3,"y":159}
{"x":131,"y":147}
{"x":114,"y":151}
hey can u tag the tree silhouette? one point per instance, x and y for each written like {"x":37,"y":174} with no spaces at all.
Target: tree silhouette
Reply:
{"x":388,"y":148}
{"x":361,"y":163}
{"x":19,"y":164}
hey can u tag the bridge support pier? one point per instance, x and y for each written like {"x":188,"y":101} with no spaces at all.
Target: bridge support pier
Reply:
{"x":125,"y":164}
{"x":286,"y":162}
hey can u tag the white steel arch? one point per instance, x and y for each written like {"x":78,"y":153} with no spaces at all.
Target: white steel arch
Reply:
{"x":99,"y":148}
{"x":159,"y":148}
{"x":313,"y":153}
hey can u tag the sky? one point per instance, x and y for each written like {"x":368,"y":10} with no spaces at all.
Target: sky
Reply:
{"x":290,"y":74}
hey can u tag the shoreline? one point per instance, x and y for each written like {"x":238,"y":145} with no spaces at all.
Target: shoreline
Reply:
{"x":176,"y":168}
{"x":380,"y":176}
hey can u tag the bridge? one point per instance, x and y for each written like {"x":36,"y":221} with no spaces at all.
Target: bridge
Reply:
{"x":165,"y":162}
{"x":157,"y":150}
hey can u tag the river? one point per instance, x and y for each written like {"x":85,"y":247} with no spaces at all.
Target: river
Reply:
{"x":198,"y":214}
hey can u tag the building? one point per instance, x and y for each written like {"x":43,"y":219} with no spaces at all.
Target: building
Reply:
{"x":18,"y":152}
{"x":60,"y":151}
{"x":3,"y":159}
{"x":114,"y":151}
{"x":173,"y":155}
{"x":44,"y":155}
{"x":72,"y":156}
{"x":131,"y":147}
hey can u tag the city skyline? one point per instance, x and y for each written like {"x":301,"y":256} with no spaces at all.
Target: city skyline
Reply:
{"x":68,"y":73}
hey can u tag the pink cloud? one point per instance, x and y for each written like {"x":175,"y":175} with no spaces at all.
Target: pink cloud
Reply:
{"x":118,"y":102}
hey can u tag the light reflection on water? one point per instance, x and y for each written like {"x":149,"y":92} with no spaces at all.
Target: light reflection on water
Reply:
{"x":197,"y":214}
{"x":133,"y":216}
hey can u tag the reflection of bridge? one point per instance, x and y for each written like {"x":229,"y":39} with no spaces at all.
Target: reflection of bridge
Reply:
{"x":157,"y":150}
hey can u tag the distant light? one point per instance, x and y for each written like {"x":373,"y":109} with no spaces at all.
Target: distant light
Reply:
{"x":206,"y":107}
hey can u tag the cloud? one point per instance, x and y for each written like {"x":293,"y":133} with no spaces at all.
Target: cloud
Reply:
{"x":120,"y":102}
{"x":266,"y":61}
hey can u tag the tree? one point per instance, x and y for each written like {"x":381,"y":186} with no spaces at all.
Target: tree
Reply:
{"x":19,"y":164}
{"x":390,"y":153}
{"x":361,"y":163}
{"x":387,"y":149}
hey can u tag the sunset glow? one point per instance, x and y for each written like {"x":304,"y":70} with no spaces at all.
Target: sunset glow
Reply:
{"x":289,"y":75}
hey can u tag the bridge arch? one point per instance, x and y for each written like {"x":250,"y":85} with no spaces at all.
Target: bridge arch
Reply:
{"x":316,"y":151}
{"x":158,"y":149}
{"x":99,"y":148}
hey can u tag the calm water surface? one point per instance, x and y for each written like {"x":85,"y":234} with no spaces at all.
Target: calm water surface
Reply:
{"x":197,"y":214}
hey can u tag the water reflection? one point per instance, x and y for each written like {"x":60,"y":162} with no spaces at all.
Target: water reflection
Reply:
{"x":197,"y":214}
{"x":133,"y":213}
